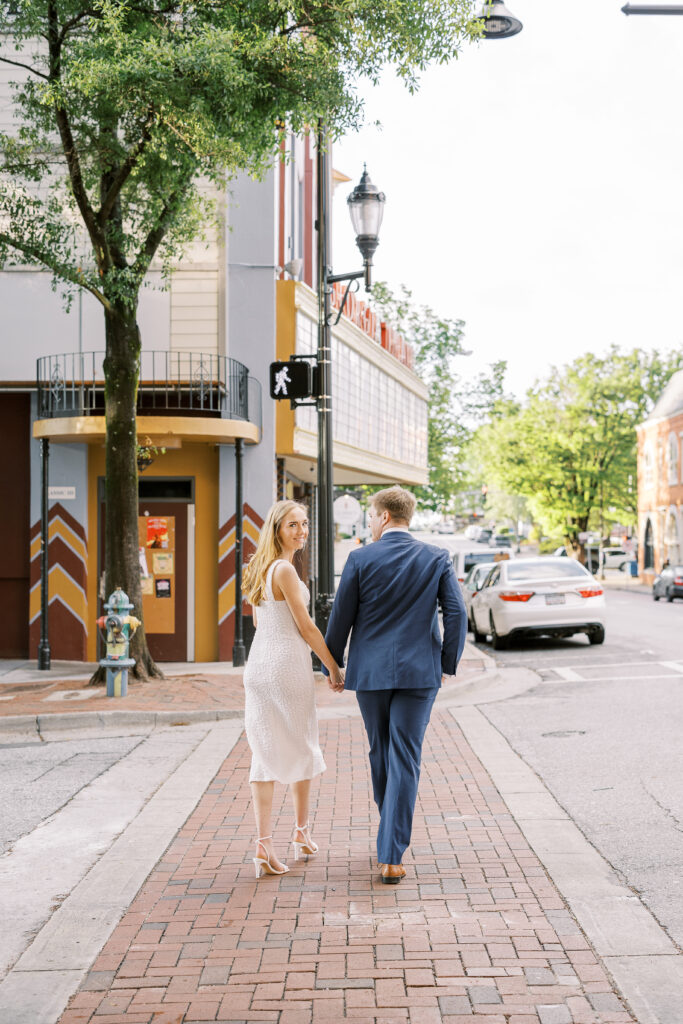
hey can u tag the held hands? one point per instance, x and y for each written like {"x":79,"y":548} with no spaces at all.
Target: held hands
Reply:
{"x":336,"y":679}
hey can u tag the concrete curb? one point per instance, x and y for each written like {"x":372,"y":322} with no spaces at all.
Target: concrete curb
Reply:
{"x":40,"y":725}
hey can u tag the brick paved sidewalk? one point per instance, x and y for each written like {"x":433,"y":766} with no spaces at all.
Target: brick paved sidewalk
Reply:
{"x":476,"y":934}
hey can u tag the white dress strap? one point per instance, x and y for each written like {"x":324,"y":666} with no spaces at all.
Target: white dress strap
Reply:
{"x":269,"y":579}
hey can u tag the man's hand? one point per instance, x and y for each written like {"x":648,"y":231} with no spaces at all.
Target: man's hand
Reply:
{"x":447,"y":679}
{"x":336,"y":681}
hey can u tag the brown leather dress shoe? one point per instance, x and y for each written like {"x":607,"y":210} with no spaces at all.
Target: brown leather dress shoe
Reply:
{"x":392,"y":873}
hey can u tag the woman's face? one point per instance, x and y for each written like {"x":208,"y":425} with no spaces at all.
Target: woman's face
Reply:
{"x":293,"y":530}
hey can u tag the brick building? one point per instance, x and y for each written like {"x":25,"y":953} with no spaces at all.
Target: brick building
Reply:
{"x":660,"y":481}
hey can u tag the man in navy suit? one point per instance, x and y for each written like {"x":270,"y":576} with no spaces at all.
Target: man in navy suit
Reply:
{"x":388,"y":599}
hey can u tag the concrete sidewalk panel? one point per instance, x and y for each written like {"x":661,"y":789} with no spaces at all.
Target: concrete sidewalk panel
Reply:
{"x":36,"y":997}
{"x":77,"y":931}
{"x":655,"y":986}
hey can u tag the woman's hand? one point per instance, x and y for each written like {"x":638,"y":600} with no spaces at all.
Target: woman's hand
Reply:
{"x":336,"y":679}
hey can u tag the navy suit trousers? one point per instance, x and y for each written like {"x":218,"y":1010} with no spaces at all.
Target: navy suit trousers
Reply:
{"x":395,"y":721}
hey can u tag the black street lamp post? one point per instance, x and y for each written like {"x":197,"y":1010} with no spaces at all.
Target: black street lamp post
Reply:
{"x":366,"y":206}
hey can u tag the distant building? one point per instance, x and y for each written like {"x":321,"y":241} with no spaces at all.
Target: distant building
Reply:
{"x":660,"y":481}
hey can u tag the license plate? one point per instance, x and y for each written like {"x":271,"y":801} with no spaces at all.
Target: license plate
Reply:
{"x":554,"y":599}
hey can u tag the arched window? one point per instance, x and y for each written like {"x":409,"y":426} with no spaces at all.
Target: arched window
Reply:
{"x":649,"y":547}
{"x":671,"y":539}
{"x":648,"y":466}
{"x":673,"y":460}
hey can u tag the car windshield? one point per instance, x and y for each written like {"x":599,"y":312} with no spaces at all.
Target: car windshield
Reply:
{"x":552,"y":569}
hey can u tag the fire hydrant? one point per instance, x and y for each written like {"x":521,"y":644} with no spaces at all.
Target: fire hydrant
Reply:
{"x":119,"y":628}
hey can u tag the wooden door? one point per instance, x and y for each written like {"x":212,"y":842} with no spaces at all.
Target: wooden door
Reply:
{"x":162,"y":542}
{"x":162,"y":535}
{"x":15,"y":432}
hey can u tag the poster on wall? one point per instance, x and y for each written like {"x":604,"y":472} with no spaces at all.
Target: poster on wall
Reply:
{"x":142,"y":555}
{"x":157,"y":532}
{"x":162,"y":563}
{"x":162,"y":588}
{"x":147,"y":585}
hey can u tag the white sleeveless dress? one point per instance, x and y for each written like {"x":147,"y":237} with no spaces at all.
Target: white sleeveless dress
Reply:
{"x":280,"y":718}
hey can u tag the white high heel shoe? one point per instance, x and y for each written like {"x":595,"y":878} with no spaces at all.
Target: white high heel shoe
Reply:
{"x":308,"y":847}
{"x":262,"y":864}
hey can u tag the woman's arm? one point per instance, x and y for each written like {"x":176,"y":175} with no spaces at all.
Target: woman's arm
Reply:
{"x":286,"y":579}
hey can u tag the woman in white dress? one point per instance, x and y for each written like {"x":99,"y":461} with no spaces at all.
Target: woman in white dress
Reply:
{"x":280,"y":717}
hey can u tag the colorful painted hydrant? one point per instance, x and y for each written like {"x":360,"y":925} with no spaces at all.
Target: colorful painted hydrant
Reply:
{"x":119,"y":628}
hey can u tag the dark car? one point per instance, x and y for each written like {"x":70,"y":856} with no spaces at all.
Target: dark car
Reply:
{"x":484,"y":536}
{"x":669,"y":583}
{"x":501,"y":540}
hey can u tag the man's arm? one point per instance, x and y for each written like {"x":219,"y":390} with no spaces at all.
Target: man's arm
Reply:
{"x":454,"y":619}
{"x":343,"y":611}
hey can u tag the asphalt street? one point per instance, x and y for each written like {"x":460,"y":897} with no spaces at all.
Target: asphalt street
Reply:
{"x":603,"y":731}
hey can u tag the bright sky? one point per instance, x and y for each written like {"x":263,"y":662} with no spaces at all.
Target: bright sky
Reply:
{"x":535,"y":186}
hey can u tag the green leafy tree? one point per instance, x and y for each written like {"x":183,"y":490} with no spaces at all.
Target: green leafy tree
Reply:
{"x":456,"y":405}
{"x":570,"y":447}
{"x":124,"y":108}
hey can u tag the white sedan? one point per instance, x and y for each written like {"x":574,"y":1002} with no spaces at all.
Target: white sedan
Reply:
{"x":538,"y":597}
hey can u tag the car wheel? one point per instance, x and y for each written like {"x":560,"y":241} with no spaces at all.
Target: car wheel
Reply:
{"x":499,"y":643}
{"x":597,"y":635}
{"x":655,"y":595}
{"x":479,"y":638}
{"x":624,"y":566}
{"x":669,"y":596}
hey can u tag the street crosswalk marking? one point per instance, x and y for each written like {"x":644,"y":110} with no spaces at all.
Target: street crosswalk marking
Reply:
{"x":675,"y":665}
{"x":571,"y":675}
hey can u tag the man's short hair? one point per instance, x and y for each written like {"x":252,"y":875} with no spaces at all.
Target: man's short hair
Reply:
{"x":400,"y":504}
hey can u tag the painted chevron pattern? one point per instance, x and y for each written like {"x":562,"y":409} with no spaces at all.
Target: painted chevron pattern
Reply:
{"x":67,"y":560}
{"x":251,"y":527}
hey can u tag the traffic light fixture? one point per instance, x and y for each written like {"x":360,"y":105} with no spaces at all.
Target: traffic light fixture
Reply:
{"x":293,"y":380}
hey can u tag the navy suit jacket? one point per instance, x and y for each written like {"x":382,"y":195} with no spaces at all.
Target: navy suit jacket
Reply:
{"x":388,"y":599}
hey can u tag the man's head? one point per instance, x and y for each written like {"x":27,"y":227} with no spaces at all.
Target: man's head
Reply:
{"x":390,"y":508}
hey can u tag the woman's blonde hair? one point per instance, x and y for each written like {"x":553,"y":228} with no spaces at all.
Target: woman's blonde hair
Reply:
{"x":268,"y":549}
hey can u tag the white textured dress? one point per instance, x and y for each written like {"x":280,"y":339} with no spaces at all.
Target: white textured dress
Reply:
{"x":280,"y":717}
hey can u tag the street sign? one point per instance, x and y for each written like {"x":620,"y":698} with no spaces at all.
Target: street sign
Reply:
{"x":291,"y":380}
{"x":347,"y":510}
{"x":61,"y":493}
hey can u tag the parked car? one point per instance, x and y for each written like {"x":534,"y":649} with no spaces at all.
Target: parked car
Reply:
{"x":501,"y":540}
{"x":473,"y":582}
{"x":616,"y":558}
{"x":669,"y":583}
{"x":464,"y":560}
{"x":538,"y":597}
{"x":593,"y":563}
{"x":484,"y":535}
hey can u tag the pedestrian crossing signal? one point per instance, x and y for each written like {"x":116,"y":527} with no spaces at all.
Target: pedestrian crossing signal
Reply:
{"x":291,"y":380}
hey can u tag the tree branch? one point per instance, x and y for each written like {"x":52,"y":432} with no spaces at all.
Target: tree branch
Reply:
{"x":123,"y":173}
{"x":69,"y":146}
{"x":156,"y":234}
{"x":62,"y":270}
{"x":27,"y":67}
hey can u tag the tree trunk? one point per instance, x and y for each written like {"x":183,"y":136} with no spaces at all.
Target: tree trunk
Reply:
{"x":122,"y":564}
{"x":574,"y":528}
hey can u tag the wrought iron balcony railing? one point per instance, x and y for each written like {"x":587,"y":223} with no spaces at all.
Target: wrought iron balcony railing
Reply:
{"x":171,"y":383}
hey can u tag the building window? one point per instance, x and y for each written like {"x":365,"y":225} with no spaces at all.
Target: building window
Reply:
{"x":649,"y":547}
{"x":372,"y":411}
{"x":648,"y":467}
{"x":671,"y":539}
{"x":673,"y":460}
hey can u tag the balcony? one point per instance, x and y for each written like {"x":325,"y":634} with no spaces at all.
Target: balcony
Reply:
{"x":174,"y":388}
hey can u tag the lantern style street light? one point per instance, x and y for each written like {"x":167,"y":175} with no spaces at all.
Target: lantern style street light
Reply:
{"x":499,"y":23}
{"x":366,"y":207}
